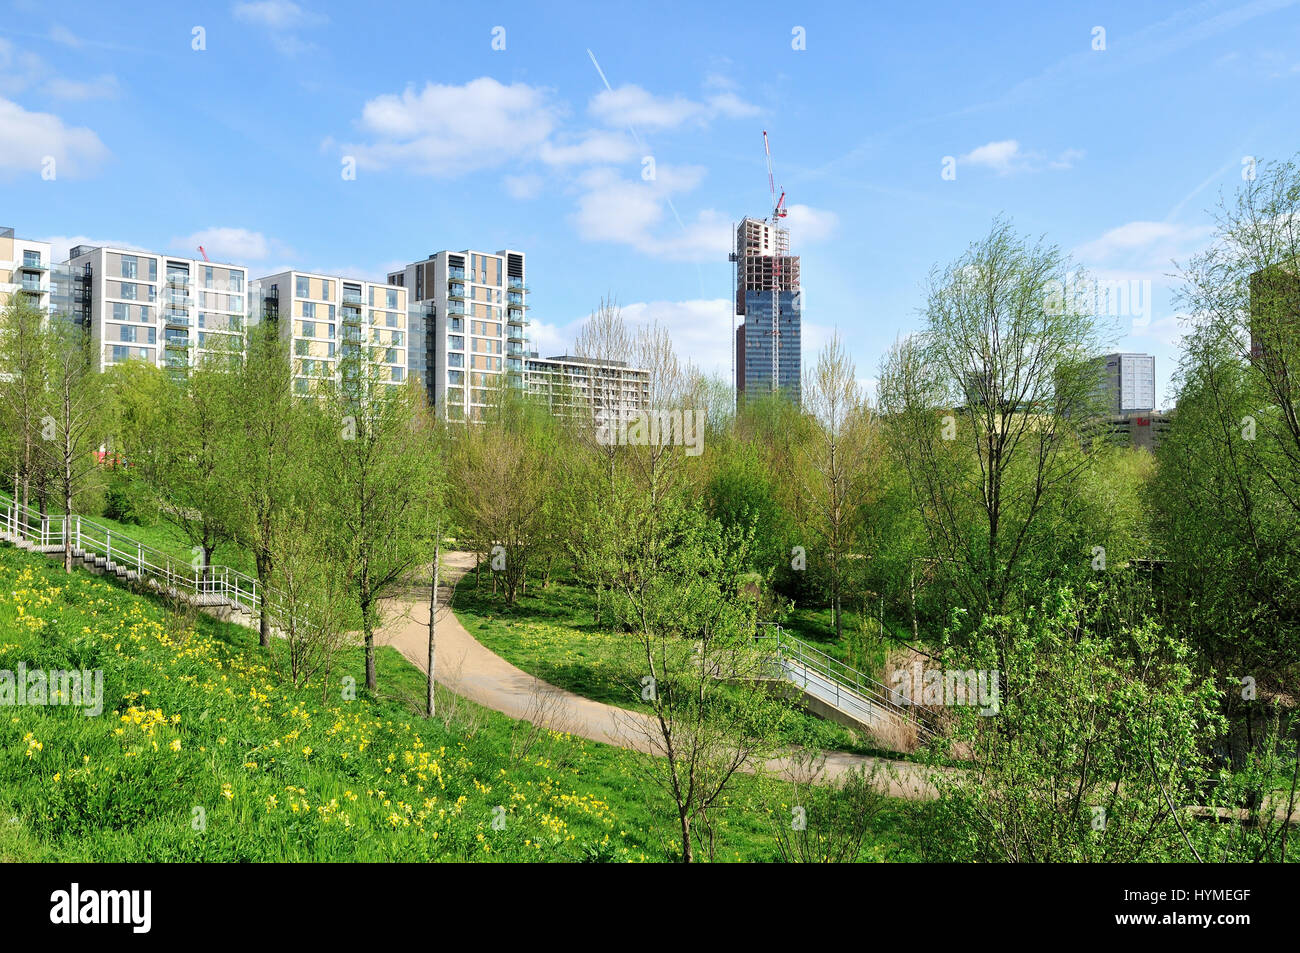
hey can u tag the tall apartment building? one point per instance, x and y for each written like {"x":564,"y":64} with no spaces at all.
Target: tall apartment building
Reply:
{"x":473,"y":307}
{"x":162,"y":309}
{"x":25,"y":269}
{"x":1128,"y":383}
{"x":323,"y":317}
{"x":611,"y":391}
{"x":768,"y":356}
{"x":1274,"y":316}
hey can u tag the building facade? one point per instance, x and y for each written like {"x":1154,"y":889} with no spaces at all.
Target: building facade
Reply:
{"x":326,"y":317}
{"x":473,"y":308}
{"x":162,"y":309}
{"x":610,"y":391}
{"x":25,"y":269}
{"x":1128,"y":383}
{"x":768,"y":353}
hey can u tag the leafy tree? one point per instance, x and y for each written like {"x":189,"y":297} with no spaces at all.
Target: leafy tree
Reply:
{"x":984,"y":407}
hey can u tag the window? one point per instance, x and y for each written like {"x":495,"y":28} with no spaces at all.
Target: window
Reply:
{"x":301,"y":348}
{"x":302,"y":288}
{"x":456,"y":342}
{"x":392,"y":297}
{"x":456,"y":377}
{"x":120,"y":312}
{"x":455,"y":360}
{"x":397,"y":373}
{"x":328,"y":292}
{"x":127,"y":333}
{"x":207,"y":276}
{"x":331,"y":349}
{"x":32,"y":259}
{"x":392,"y":319}
{"x":153,"y":335}
{"x":128,"y":291}
{"x":397,"y":338}
{"x":308,"y":309}
{"x":390,"y":356}
{"x":130,"y":266}
{"x":309,"y":329}
{"x":331,"y":331}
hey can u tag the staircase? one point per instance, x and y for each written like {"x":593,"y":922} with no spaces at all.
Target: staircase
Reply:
{"x":842,"y":693}
{"x":104,"y":550}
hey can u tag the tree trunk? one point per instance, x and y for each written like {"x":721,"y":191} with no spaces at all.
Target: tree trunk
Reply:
{"x":372,"y":681}
{"x":688,"y":853}
{"x":264,"y":617}
{"x":433,"y":618}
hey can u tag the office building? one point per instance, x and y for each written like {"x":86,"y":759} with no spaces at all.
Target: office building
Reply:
{"x":768,"y":352}
{"x":473,"y":308}
{"x":162,"y":309}
{"x":1128,"y":383}
{"x":326,"y":317}
{"x":610,"y":391}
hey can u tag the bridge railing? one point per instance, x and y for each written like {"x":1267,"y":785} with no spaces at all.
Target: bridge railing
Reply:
{"x":848,"y":682}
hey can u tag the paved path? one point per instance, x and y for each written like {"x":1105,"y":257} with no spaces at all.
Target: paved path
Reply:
{"x":468,"y":668}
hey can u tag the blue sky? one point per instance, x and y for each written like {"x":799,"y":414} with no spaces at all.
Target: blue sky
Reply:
{"x":1115,"y":154}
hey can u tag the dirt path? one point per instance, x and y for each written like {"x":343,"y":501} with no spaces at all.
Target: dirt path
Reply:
{"x":466,"y":667}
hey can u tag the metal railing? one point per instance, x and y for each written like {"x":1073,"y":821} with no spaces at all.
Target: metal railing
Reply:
{"x":213,"y":585}
{"x":797,"y":659}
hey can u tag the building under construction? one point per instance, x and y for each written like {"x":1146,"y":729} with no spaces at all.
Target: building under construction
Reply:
{"x":769,"y":301}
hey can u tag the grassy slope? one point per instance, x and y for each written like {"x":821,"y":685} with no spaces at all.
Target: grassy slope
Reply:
{"x":197,"y":719}
{"x":552,"y":633}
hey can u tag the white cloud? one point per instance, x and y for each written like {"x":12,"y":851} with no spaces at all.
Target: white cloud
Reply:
{"x":638,"y":213}
{"x":591,"y":148}
{"x":700,"y":330}
{"x":523,"y":187}
{"x":1005,"y":157}
{"x":19,"y":69}
{"x":1142,"y":250}
{"x":61,"y":34}
{"x":61,"y":244}
{"x":276,"y":14}
{"x":630,"y":105}
{"x":449,"y":130}
{"x":28,"y":138}
{"x":808,"y":225}
{"x":282,"y":19}
{"x":102,"y":87}
{"x":234,"y":245}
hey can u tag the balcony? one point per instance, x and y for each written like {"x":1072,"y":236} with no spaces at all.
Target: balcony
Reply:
{"x":180,"y":319}
{"x":513,"y":336}
{"x":32,"y":288}
{"x":33,"y":266}
{"x":455,"y":309}
{"x":351,"y":298}
{"x":351,"y":315}
{"x":456,"y":292}
{"x":179,"y":280}
{"x":456,"y":273}
{"x":518,"y":320}
{"x":516,"y":284}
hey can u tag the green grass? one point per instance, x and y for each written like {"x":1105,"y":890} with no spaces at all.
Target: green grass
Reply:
{"x":552,"y":633}
{"x":198,"y":722}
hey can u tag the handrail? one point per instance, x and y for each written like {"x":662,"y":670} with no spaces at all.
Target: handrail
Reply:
{"x":47,"y":530}
{"x":843,"y":677}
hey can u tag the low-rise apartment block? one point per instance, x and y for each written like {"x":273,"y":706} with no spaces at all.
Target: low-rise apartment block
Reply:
{"x":612,"y":392}
{"x":472,"y":308}
{"x":324,"y":317}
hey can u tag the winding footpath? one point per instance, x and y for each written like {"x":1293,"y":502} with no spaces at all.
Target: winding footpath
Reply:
{"x":466,"y":667}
